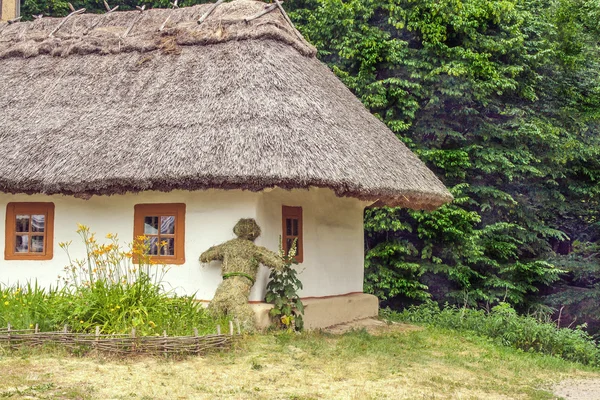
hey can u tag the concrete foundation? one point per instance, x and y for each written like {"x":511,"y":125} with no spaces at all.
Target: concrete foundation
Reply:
{"x":325,"y":312}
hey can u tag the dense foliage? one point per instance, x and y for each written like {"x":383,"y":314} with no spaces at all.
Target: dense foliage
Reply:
{"x":501,"y":99}
{"x":509,"y":328}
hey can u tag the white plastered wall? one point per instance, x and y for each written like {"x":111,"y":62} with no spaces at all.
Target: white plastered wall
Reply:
{"x":333,"y":236}
{"x":210,"y":217}
{"x":333,"y":239}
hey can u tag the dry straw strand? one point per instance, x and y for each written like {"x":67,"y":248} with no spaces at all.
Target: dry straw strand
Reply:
{"x":209,"y":11}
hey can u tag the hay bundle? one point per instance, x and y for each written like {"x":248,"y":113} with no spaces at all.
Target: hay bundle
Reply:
{"x":241,"y":258}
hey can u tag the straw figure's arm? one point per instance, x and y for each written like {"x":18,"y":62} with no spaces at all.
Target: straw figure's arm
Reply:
{"x":213,"y":253}
{"x":269,"y":259}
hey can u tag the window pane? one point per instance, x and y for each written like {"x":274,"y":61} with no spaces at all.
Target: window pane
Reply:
{"x":37,"y":244}
{"x":288,"y":244}
{"x":153,"y":246}
{"x":22,"y":223}
{"x":295,"y":227}
{"x":22,"y":244}
{"x":150,"y":225}
{"x":167,"y":225}
{"x":288,"y":227}
{"x":38,"y":223}
{"x":167,"y":247}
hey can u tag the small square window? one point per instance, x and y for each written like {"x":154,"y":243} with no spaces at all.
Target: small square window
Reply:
{"x":291,"y":218}
{"x":164,"y":226}
{"x":29,"y":231}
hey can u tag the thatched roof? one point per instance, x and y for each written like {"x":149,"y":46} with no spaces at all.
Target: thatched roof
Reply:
{"x":109,"y":104}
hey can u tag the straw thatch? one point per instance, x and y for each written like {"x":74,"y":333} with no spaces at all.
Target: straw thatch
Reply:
{"x":109,"y":104}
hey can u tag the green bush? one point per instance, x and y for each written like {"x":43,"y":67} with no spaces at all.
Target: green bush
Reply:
{"x":113,"y":289}
{"x":282,"y":292}
{"x":504,"y":324}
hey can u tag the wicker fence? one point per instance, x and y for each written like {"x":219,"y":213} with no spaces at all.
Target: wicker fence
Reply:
{"x":120,"y":344}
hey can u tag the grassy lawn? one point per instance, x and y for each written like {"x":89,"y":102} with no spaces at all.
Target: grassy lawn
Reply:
{"x":398,"y":362}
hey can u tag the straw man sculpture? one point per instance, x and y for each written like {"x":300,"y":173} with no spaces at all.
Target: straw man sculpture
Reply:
{"x":241,"y":258}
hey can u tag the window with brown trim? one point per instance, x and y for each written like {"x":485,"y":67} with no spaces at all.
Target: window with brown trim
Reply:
{"x":164,"y":226}
{"x":291,"y":218}
{"x":29,"y":231}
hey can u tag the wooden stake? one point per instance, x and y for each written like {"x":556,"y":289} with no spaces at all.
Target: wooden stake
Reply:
{"x":81,"y":11}
{"x":237,"y":321}
{"x":132,"y":24}
{"x":133,"y":341}
{"x":165,"y":343}
{"x":108,"y":9}
{"x":196,"y":332}
{"x":65,"y":330}
{"x":209,"y":11}
{"x":230,"y":327}
{"x":260,"y":14}
{"x":36,"y":329}
{"x":289,"y":21}
{"x":219,"y":330}
{"x":164,"y":23}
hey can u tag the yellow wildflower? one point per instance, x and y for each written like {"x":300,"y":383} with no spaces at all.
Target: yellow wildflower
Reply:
{"x":6,"y":303}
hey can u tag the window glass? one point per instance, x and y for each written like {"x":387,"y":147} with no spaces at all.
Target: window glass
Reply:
{"x":22,"y":223}
{"x":37,"y":222}
{"x":22,"y":244}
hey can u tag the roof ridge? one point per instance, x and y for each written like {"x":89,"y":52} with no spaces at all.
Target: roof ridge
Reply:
{"x":144,"y":30}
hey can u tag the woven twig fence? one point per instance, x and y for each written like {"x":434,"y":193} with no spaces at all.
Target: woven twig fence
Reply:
{"x":119,"y":344}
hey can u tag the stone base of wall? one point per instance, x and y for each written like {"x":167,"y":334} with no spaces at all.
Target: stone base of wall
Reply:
{"x":325,"y":312}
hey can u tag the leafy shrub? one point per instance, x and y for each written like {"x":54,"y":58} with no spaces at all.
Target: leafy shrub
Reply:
{"x":282,"y":292}
{"x":106,"y":289}
{"x":504,"y":324}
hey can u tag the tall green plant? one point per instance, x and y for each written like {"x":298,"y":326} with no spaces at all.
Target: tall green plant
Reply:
{"x":282,"y":292}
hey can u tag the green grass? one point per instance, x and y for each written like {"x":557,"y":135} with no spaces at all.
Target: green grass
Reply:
{"x":508,"y":328}
{"x":393,"y":363}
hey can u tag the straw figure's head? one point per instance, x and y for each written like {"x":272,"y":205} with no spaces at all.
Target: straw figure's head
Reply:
{"x":247,"y":228}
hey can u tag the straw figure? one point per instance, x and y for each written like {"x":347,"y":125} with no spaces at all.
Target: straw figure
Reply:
{"x":241,"y":258}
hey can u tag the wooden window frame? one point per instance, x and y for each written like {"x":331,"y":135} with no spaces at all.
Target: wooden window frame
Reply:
{"x":140,"y":211}
{"x":293,"y":212}
{"x":14,"y":209}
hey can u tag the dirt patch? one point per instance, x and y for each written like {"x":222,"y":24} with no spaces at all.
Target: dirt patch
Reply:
{"x":578,"y":389}
{"x":372,"y":325}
